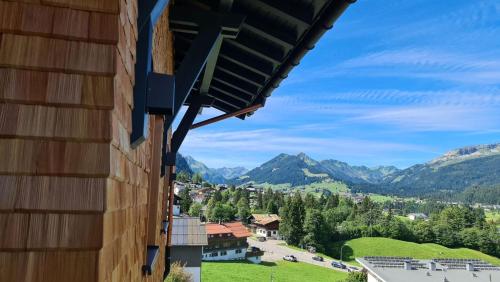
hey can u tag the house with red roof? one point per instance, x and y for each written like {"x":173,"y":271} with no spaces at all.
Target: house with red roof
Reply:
{"x":228,"y":241}
{"x":265,"y":225}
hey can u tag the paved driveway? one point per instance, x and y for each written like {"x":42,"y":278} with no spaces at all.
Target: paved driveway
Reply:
{"x":274,"y":252}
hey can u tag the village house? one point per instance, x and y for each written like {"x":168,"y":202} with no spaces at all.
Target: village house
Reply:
{"x":188,"y":238}
{"x":228,"y":241}
{"x":415,"y":216}
{"x":265,"y":225}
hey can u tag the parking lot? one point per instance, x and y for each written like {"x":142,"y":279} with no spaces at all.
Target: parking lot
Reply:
{"x":273,"y":251}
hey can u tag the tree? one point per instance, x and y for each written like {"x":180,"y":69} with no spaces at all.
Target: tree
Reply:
{"x":296,"y":214}
{"x":197,"y":178}
{"x":332,"y":202}
{"x":423,"y":231}
{"x":236,"y":196}
{"x":186,"y":200}
{"x":243,"y":209}
{"x":217,"y":196}
{"x":260,"y":204}
{"x":356,"y":276}
{"x":195,"y":209}
{"x":272,"y":207}
{"x":183,"y":177}
{"x":222,"y":212}
{"x":315,"y":229}
{"x":310,"y":202}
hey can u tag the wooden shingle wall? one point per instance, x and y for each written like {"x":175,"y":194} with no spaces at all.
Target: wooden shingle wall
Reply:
{"x":73,"y":194}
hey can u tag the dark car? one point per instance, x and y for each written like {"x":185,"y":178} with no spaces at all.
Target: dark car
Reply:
{"x":338,"y":265}
{"x":291,"y":258}
{"x":318,"y":258}
{"x":261,"y":239}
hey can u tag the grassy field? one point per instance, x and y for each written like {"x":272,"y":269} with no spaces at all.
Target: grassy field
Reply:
{"x":376,"y":246}
{"x":281,"y":271}
{"x":390,"y":247}
{"x":493,"y":216}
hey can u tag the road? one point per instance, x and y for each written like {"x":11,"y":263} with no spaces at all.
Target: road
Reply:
{"x":273,"y":251}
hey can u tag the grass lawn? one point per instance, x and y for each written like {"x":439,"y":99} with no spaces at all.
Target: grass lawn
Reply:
{"x":239,"y":271}
{"x":377,"y":246}
{"x":493,"y":216}
{"x":390,"y":247}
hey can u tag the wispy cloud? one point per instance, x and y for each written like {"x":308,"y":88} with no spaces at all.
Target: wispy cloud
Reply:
{"x":271,"y":142}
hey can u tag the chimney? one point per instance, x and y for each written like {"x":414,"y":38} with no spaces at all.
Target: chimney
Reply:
{"x":469,"y":266}
{"x":407,"y":265}
{"x":431,"y":266}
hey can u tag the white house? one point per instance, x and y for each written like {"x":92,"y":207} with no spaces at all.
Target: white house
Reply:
{"x":228,"y":241}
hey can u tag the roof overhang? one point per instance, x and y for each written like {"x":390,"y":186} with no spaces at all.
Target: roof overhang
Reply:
{"x":273,"y":38}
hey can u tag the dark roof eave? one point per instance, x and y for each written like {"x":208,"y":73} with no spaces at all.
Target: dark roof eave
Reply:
{"x":324,"y":23}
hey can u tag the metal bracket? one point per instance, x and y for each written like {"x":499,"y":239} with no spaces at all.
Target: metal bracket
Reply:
{"x":189,"y":20}
{"x":158,"y":103}
{"x":145,"y":83}
{"x":151,"y":258}
{"x":173,"y":177}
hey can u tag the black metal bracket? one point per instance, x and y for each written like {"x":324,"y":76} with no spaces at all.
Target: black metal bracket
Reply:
{"x":157,"y":102}
{"x":152,"y":92}
{"x":173,"y":177}
{"x":164,"y":227}
{"x":211,"y":28}
{"x":151,"y":258}
{"x":162,"y":94}
{"x":187,"y":120}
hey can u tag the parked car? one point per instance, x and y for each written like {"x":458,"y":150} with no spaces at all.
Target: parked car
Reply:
{"x":291,"y":258}
{"x":353,"y":268}
{"x":338,"y":265}
{"x":318,"y":258}
{"x":261,"y":239}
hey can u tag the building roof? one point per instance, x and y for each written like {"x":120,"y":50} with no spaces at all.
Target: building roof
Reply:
{"x":188,"y":231}
{"x":264,"y":219}
{"x":392,"y":269}
{"x":237,"y":229}
{"x":273,"y":38}
{"x":215,"y":228}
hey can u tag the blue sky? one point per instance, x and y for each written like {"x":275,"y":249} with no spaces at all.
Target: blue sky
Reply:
{"x":393,"y":83}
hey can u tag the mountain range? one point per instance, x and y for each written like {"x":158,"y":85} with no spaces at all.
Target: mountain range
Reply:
{"x":212,"y":175}
{"x":453,"y":172}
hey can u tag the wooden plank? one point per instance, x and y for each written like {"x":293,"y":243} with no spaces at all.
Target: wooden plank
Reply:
{"x":103,"y":28}
{"x":50,"y":88}
{"x":154,"y":183}
{"x":34,"y":157}
{"x":65,"y":231}
{"x":56,"y":55}
{"x":25,"y":18}
{"x":48,"y":266}
{"x":107,"y":6}
{"x":56,"y":123}
{"x":71,"y":24}
{"x":52,"y":194}
{"x":13,"y":230}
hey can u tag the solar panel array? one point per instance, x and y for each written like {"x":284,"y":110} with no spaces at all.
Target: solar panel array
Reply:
{"x":447,"y":263}
{"x":457,"y":263}
{"x":389,"y":262}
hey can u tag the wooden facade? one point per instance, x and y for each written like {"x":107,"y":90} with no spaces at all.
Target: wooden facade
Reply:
{"x":76,"y":202}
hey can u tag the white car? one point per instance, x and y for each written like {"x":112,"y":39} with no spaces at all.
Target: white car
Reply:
{"x":291,"y":258}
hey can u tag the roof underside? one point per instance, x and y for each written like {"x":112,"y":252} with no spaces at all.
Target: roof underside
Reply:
{"x":274,"y":37}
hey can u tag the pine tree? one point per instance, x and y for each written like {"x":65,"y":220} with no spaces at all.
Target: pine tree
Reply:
{"x":296,"y":215}
{"x":186,"y":200}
